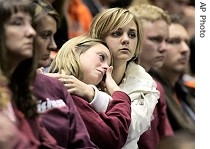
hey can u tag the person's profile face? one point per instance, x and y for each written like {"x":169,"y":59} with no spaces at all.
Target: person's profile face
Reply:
{"x":44,"y":40}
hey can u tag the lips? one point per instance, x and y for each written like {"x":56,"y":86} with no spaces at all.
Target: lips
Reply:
{"x":124,"y":49}
{"x":160,"y":58}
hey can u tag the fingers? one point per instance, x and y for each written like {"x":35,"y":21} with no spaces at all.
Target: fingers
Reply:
{"x":63,"y":72}
{"x":109,"y":71}
{"x":64,"y":81}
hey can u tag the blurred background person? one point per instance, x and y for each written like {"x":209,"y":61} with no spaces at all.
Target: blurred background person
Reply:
{"x":180,"y":103}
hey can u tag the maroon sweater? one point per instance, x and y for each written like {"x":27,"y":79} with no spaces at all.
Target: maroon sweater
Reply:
{"x":32,"y":133}
{"x":60,"y":115}
{"x":107,"y":130}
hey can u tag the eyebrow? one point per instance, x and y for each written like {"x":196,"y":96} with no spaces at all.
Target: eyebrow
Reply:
{"x":130,"y":29}
{"x":133,"y":30}
{"x":21,"y":16}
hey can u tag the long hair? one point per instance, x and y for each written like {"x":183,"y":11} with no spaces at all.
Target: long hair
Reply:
{"x":5,"y":94}
{"x":68,"y":57}
{"x":110,"y":20}
{"x":20,"y":81}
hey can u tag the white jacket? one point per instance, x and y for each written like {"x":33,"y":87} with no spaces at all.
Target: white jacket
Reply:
{"x":142,"y":90}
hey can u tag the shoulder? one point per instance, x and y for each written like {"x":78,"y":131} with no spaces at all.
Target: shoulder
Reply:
{"x":46,"y":81}
{"x":45,"y":85}
{"x":137,"y":70}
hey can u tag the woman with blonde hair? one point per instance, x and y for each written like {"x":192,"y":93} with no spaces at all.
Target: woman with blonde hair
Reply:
{"x":89,"y":60}
{"x":122,"y":32}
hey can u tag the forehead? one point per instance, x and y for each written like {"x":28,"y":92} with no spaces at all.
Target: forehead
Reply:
{"x":177,"y":30}
{"x":47,"y":22}
{"x":155,"y":26}
{"x":130,"y":25}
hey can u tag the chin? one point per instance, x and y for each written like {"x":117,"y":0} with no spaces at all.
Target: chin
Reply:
{"x":158,"y":65}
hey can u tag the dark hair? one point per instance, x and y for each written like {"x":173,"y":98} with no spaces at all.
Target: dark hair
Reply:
{"x":22,"y":77}
{"x":177,"y":19}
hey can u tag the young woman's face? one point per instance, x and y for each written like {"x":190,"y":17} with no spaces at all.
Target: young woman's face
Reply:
{"x":123,"y":42}
{"x":44,"y":40}
{"x":94,"y":63}
{"x":19,"y":35}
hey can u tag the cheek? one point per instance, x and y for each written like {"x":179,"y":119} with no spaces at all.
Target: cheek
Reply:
{"x":14,"y":46}
{"x":111,"y":43}
{"x":147,"y":45}
{"x":41,"y":44}
{"x":133,"y":44}
{"x":10,"y":38}
{"x":170,"y":56}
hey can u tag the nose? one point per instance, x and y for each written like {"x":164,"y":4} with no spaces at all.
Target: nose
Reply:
{"x":125,"y":39}
{"x":52,"y":45}
{"x":105,"y":67}
{"x":184,"y":47}
{"x":30,"y":31}
{"x":162,"y":47}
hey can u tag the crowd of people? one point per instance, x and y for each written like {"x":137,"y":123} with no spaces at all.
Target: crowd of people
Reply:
{"x":118,"y":78}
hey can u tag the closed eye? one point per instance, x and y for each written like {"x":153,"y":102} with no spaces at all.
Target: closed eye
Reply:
{"x":46,"y":34}
{"x":102,"y":57}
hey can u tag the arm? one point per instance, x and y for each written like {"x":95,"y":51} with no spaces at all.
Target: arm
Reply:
{"x":79,"y":136}
{"x":98,"y":99}
{"x":107,"y":128}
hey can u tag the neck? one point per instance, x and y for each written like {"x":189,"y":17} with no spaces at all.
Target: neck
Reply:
{"x":172,"y":77}
{"x":146,"y":67}
{"x":118,"y":72}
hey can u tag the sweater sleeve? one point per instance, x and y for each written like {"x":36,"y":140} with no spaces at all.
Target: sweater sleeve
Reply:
{"x":100,"y":101}
{"x":107,"y":129}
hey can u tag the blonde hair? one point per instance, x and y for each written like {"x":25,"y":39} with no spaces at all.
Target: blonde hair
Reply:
{"x":5,"y":93}
{"x":110,"y":20}
{"x":68,"y":57}
{"x":150,"y":13}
